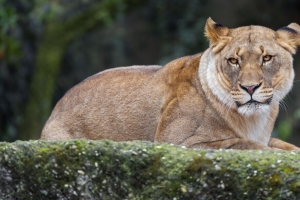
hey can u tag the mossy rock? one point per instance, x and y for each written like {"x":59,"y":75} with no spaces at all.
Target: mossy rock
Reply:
{"x":82,"y":169}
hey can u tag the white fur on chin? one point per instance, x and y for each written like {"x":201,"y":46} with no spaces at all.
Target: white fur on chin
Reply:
{"x":252,"y":109}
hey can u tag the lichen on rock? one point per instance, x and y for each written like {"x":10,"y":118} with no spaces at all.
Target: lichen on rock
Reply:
{"x":83,"y":169}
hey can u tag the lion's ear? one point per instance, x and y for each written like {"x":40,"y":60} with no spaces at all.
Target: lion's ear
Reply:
{"x":289,"y":37}
{"x":217,"y":35}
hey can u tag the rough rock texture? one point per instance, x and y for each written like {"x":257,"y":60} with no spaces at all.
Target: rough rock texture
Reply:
{"x":81,"y":169}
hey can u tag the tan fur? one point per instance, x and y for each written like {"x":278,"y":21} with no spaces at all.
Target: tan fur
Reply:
{"x":199,"y":101}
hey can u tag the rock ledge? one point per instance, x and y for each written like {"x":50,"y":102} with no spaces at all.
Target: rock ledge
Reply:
{"x":83,"y":169}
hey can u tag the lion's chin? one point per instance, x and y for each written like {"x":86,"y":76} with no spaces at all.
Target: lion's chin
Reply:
{"x":250,"y":109}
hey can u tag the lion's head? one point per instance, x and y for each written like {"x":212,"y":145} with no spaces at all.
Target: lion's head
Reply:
{"x":252,"y":65}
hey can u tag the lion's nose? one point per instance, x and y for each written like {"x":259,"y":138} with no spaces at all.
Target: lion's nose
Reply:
{"x":250,"y":88}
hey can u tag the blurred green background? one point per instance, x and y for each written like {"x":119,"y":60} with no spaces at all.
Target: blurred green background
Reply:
{"x":46,"y":47}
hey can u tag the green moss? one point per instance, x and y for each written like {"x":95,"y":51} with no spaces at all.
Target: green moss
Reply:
{"x":81,"y":169}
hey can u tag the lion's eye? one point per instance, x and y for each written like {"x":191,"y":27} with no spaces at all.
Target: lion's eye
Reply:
{"x":233,"y":61}
{"x":267,"y":58}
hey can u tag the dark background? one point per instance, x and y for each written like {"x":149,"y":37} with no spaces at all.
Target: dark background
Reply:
{"x":46,"y":47}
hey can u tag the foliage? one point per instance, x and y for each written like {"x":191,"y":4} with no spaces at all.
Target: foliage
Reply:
{"x":9,"y":47}
{"x":285,"y":127}
{"x":181,"y":25}
{"x":9,"y":63}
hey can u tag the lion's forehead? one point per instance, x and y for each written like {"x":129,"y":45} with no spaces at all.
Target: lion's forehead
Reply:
{"x":257,"y":46}
{"x":255,"y":51}
{"x":259,"y":31}
{"x":253,"y":38}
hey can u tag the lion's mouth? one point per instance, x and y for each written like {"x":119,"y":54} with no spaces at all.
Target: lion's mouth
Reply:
{"x":253,"y":102}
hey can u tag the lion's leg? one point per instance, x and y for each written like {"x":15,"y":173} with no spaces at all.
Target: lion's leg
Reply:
{"x":233,"y":143}
{"x":276,"y":143}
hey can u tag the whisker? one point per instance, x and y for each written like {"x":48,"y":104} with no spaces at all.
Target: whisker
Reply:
{"x":282,"y":104}
{"x":283,"y":108}
{"x":288,"y":96}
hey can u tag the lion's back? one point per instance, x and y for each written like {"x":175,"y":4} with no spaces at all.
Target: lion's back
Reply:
{"x":111,"y":105}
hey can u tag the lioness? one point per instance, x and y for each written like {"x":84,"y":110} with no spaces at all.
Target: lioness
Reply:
{"x":226,"y":97}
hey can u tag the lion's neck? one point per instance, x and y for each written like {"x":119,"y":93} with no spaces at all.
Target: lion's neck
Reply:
{"x":257,"y":128}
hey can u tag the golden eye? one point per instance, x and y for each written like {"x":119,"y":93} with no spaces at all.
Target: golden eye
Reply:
{"x":233,"y":61}
{"x":267,"y":58}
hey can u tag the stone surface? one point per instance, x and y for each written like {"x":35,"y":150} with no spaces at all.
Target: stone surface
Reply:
{"x":82,"y":169}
